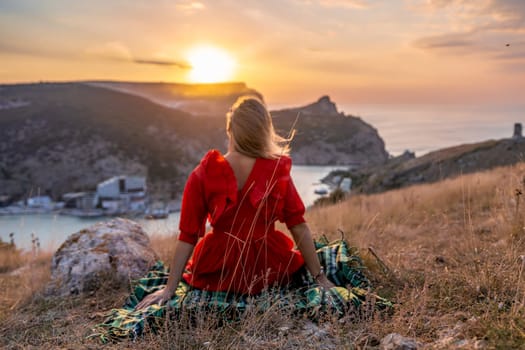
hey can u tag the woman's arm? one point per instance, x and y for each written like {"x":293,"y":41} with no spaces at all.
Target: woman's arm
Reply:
{"x":182,"y":253}
{"x":303,"y":238}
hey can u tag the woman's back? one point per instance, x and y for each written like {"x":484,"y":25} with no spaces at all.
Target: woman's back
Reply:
{"x":241,"y":165}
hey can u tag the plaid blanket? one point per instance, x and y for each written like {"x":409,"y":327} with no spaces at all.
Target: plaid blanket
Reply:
{"x":341,"y":264}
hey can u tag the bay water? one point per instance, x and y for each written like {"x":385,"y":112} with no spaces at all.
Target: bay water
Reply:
{"x":53,"y":229}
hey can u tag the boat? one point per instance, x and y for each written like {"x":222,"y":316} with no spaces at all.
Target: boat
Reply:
{"x":83,"y":213}
{"x":156,"y":213}
{"x":321,"y":191}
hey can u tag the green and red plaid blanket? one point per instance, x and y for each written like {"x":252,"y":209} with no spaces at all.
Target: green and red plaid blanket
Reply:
{"x":341,"y":264}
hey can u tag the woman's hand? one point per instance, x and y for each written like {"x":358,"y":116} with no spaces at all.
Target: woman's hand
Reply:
{"x":158,"y":297}
{"x":324,"y":282}
{"x":181,"y":255}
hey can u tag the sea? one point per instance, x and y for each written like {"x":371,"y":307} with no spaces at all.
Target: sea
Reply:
{"x":416,"y":128}
{"x":425,"y":128}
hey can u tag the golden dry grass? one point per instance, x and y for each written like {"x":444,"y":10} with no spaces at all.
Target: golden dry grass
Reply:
{"x":455,"y":249}
{"x":455,"y":253}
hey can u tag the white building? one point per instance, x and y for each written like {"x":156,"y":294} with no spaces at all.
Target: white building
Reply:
{"x":40,"y":202}
{"x":346,"y":184}
{"x":122,"y":194}
{"x":80,"y":200}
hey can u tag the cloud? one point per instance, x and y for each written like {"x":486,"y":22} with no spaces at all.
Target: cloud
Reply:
{"x":14,"y":49}
{"x":117,"y":51}
{"x":482,"y":27}
{"x":37,"y":50}
{"x":454,"y":40}
{"x":349,"y":4}
{"x":445,"y":3}
{"x":181,"y":65}
{"x":353,"y":4}
{"x":111,"y":50}
{"x":485,"y":14}
{"x":190,"y":7}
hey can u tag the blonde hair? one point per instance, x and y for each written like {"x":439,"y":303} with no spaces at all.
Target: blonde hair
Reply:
{"x":249,"y":125}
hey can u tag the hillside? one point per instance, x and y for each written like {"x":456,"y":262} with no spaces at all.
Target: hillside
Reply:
{"x":406,"y":170}
{"x":63,"y":137}
{"x":69,"y":136}
{"x":197,"y":99}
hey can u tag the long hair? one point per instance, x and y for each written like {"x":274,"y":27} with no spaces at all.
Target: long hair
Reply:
{"x":249,"y":125}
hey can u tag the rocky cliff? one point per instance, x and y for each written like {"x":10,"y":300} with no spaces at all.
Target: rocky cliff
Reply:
{"x":63,"y":137}
{"x":324,"y":136}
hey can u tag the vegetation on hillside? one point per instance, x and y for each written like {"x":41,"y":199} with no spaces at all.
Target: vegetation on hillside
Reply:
{"x":72,"y":136}
{"x":449,"y":254}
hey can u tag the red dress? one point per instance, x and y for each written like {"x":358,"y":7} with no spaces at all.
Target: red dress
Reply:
{"x":243,"y":253}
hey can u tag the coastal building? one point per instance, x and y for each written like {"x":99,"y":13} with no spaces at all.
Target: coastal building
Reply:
{"x":80,"y":200}
{"x":43,"y":202}
{"x":122,"y":194}
{"x":5,"y":200}
{"x":346,"y":184}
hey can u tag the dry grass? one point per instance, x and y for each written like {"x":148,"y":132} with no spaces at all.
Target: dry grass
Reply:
{"x":10,"y":258}
{"x":455,"y":251}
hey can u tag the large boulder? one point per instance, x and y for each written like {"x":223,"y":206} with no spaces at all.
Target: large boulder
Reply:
{"x":118,"y":250}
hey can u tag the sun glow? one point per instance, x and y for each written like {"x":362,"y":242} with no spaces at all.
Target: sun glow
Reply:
{"x":210,"y":65}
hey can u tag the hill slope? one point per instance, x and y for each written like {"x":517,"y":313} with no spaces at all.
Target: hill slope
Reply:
{"x":445,"y":163}
{"x":196,"y":99}
{"x":70,"y":136}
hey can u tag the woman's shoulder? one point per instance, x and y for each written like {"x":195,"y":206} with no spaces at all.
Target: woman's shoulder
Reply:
{"x":212,"y":166}
{"x":211,"y":160}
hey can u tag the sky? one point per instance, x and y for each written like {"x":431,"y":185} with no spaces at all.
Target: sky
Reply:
{"x":292,"y":51}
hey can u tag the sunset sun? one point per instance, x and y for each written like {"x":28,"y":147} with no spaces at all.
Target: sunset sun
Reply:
{"x":210,"y":65}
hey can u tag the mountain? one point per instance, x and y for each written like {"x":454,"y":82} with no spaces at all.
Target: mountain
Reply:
{"x":63,"y":137}
{"x":326,"y":137}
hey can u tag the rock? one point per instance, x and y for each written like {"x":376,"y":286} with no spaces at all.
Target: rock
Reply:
{"x":395,"y":341}
{"x":118,"y":250}
{"x":454,"y":338}
{"x":315,"y":334}
{"x":323,"y":106}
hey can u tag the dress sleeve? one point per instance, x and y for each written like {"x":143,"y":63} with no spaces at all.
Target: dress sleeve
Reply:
{"x":193,"y":213}
{"x":293,"y":211}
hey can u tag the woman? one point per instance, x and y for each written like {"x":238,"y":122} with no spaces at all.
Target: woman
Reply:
{"x":242,"y":194}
